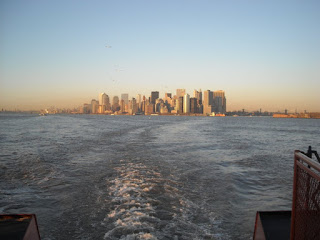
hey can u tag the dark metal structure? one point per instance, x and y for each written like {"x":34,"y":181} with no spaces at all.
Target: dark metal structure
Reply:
{"x":272,"y":225}
{"x":19,"y":227}
{"x":303,"y":222}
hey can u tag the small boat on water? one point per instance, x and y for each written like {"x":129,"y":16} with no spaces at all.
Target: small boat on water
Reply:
{"x":217,"y":114}
{"x":44,"y":113}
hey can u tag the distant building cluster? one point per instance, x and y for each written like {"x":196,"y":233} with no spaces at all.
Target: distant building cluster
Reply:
{"x":202,"y":103}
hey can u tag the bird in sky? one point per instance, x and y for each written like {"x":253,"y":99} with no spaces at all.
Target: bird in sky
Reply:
{"x":117,"y":68}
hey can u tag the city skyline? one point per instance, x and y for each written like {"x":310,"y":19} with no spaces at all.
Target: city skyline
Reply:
{"x":213,"y":103}
{"x":263,"y":54}
{"x":160,"y":95}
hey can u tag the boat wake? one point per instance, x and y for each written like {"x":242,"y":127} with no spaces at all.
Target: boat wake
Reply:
{"x":144,"y":205}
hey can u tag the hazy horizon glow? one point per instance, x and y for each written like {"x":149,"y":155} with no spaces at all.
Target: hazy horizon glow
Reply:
{"x":263,"y":54}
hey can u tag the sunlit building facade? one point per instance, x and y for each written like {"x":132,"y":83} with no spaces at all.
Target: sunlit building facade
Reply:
{"x":180,"y":105}
{"x":125,"y":98}
{"x":115,"y":104}
{"x":206,"y":103}
{"x":186,"y":103}
{"x":219,"y":102}
{"x":181,"y":92}
{"x":94,"y":106}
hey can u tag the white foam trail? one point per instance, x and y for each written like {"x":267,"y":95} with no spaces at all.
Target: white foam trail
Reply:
{"x":132,"y":213}
{"x":145,"y":205}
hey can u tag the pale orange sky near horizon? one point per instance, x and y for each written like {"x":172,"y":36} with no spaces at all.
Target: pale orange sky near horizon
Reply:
{"x":247,"y":102}
{"x":262,"y":54}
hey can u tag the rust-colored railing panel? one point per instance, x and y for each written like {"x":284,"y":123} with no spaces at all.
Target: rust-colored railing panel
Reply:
{"x":305,"y":223}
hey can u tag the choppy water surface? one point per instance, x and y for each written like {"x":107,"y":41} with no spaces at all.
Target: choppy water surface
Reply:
{"x":140,"y":177}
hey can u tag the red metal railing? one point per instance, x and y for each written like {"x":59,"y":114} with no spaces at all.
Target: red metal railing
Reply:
{"x":305,"y":218}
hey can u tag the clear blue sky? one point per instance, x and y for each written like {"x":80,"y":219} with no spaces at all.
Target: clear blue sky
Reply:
{"x":262,"y":53}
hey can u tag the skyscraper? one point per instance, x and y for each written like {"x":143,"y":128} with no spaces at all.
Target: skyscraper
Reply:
{"x":139,"y":102}
{"x":133,"y":106}
{"x":125,"y":98}
{"x":115,"y":103}
{"x":158,"y":105}
{"x":143,"y":104}
{"x":207,"y":102}
{"x":154,"y":96}
{"x":122,"y":106}
{"x":167,"y":95}
{"x":198,"y":96}
{"x":94,"y":106}
{"x":86,"y":108}
{"x":219,"y":101}
{"x":164,"y":109}
{"x":139,"y":98}
{"x":186,"y":103}
{"x":208,"y":98}
{"x":103,"y":99}
{"x":181,"y":92}
{"x":103,"y":102}
{"x":193,"y":105}
{"x":107,"y":101}
{"x":168,"y":101}
{"x":180,"y":105}
{"x":149,"y":108}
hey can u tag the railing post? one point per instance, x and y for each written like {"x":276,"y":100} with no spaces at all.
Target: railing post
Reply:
{"x":294,"y":196}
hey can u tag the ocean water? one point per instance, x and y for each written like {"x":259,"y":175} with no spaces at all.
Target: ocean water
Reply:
{"x":141,"y":177}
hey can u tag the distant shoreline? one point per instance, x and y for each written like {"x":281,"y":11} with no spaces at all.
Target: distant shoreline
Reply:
{"x":314,"y":115}
{"x":297,"y":115}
